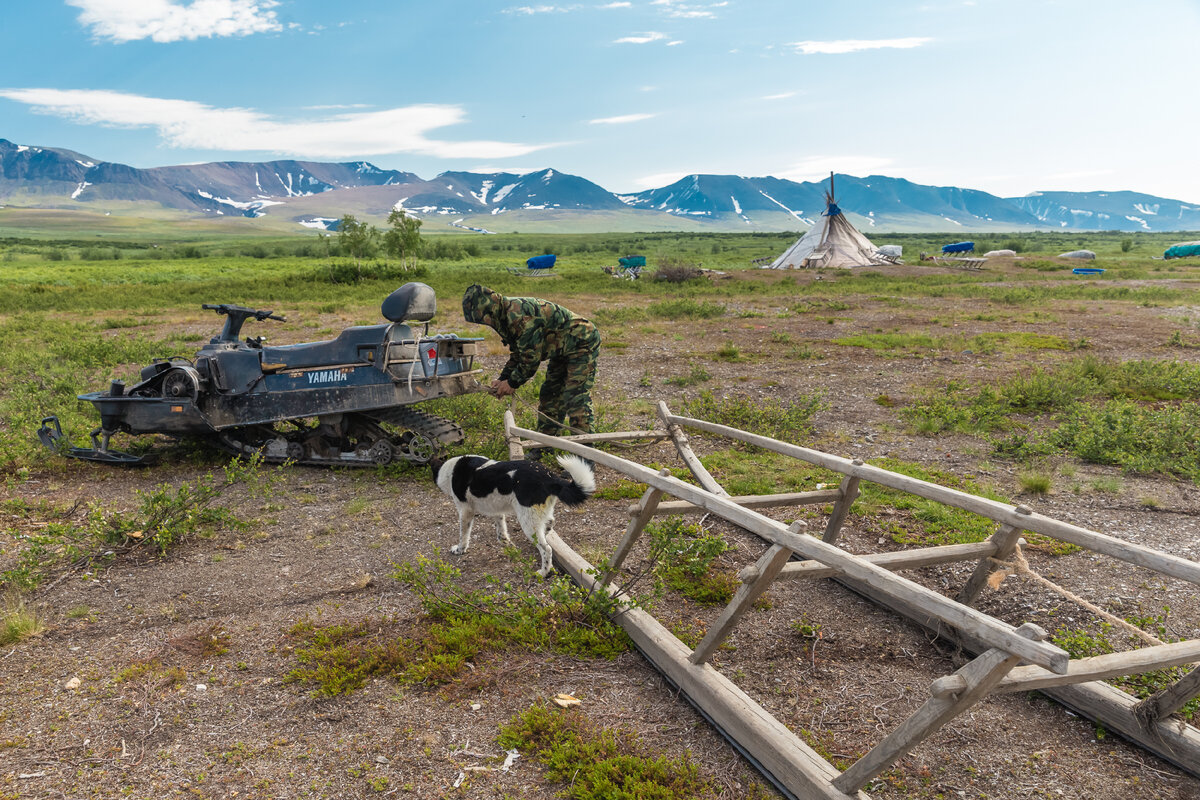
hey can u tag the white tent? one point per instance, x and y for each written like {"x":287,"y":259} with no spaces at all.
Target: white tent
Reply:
{"x":832,"y":242}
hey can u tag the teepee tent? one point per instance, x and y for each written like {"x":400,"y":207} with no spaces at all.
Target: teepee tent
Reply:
{"x":832,"y":242}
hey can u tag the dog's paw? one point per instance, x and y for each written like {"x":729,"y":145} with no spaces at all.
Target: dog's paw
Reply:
{"x":544,"y":572}
{"x":457,"y":549}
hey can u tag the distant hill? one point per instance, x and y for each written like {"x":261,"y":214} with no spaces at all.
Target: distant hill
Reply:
{"x":1110,"y":211}
{"x":288,"y":194}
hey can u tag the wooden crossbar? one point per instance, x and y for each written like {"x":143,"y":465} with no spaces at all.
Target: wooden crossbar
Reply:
{"x":599,"y":438}
{"x":901,"y":559}
{"x":683,"y":507}
{"x":1110,"y":665}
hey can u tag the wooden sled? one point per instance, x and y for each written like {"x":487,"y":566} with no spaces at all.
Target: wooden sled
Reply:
{"x":537,"y":267}
{"x":1009,"y":658}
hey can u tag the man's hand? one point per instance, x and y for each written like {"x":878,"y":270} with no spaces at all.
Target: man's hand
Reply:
{"x":501,"y":388}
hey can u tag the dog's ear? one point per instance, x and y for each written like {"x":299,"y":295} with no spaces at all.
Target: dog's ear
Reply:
{"x":435,"y":466}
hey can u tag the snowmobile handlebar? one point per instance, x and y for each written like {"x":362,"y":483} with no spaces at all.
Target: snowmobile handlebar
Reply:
{"x":242,"y":311}
{"x":235,"y":317}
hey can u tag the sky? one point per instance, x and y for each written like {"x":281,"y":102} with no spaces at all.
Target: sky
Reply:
{"x":1005,"y":96}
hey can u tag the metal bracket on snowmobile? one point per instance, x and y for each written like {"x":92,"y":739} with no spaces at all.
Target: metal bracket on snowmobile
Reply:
{"x":53,"y":438}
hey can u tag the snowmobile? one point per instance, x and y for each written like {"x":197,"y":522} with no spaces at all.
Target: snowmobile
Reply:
{"x":320,"y":403}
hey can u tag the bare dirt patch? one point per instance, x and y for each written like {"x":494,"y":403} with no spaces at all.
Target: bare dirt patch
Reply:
{"x":181,"y":659}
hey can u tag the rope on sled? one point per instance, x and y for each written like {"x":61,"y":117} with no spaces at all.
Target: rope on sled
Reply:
{"x":1020,"y":566}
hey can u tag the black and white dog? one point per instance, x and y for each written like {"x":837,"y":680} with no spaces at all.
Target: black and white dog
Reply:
{"x":526,"y":489}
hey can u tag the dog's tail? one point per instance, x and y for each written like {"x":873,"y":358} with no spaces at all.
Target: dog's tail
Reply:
{"x":582,"y":483}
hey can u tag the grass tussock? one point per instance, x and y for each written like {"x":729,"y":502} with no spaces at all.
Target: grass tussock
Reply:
{"x":787,"y":420}
{"x":594,"y":763}
{"x":18,"y":622}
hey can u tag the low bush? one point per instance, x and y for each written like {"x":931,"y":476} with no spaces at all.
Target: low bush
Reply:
{"x":787,"y":420}
{"x":594,"y":763}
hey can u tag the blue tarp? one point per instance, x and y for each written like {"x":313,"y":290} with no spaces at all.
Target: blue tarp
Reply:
{"x":632,"y":261}
{"x":541,"y":262}
{"x":958,"y":247}
{"x":1183,"y":251}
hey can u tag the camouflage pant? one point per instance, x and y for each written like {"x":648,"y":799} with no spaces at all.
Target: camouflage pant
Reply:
{"x":567,"y":391}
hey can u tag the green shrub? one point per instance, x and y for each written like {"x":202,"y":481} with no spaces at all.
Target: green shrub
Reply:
{"x":1135,"y":437}
{"x":684,"y":554}
{"x":787,"y":420}
{"x":684,"y":308}
{"x":598,"y":764}
{"x":695,"y":375}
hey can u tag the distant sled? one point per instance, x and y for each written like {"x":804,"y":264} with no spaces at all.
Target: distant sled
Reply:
{"x":537,"y":267}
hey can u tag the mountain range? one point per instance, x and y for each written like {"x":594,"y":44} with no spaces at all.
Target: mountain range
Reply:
{"x":287,"y":194}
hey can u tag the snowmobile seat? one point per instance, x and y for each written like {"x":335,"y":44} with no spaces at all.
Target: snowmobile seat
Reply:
{"x":353,"y":345}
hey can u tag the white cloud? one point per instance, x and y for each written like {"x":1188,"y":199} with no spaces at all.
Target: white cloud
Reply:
{"x":171,"y":21}
{"x":337,"y":106}
{"x":187,"y":124}
{"x":683,"y":10}
{"x":617,"y":5}
{"x":530,"y":10}
{"x":621,"y":120}
{"x":838,"y":46}
{"x":780,"y":96}
{"x":819,"y":167}
{"x":642,"y":38}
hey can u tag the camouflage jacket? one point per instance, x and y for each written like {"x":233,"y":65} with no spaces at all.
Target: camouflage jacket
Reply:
{"x":534,"y":330}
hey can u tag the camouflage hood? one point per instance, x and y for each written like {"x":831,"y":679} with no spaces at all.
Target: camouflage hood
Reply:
{"x":480,"y":301}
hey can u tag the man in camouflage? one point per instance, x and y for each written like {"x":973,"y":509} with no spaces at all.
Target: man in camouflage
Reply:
{"x":535,"y":331}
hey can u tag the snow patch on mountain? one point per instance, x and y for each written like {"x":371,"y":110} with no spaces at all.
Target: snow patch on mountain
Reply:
{"x":319,"y":223}
{"x":484,"y":188}
{"x":795,"y":214}
{"x":503,"y":193}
